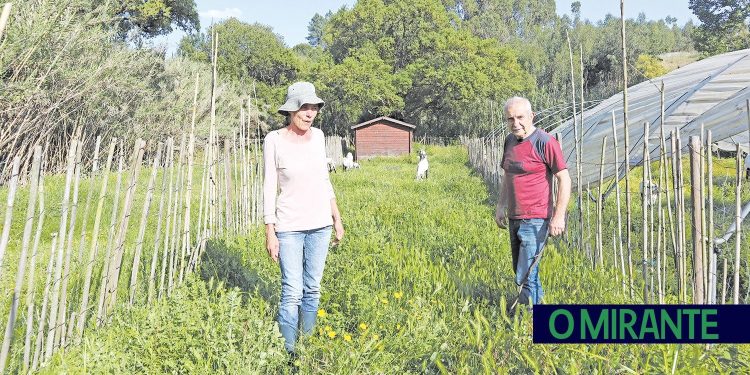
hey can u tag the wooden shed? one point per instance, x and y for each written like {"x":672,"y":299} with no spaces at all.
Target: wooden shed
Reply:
{"x":382,"y":136}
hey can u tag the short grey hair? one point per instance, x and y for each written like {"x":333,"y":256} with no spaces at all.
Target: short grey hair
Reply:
{"x":518,"y":100}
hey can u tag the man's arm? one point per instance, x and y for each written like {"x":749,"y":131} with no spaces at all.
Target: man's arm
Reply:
{"x":501,"y":211}
{"x":557,"y":224}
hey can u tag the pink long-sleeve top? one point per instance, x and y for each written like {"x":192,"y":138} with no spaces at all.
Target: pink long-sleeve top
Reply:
{"x":297,"y":191}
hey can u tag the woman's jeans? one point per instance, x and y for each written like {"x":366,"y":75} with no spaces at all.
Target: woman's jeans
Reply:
{"x":527,"y":238}
{"x":302,"y":257}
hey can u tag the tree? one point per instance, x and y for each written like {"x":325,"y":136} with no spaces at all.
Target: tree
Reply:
{"x":246,"y":52}
{"x":137,"y":19}
{"x":315,"y":28}
{"x":725,"y":25}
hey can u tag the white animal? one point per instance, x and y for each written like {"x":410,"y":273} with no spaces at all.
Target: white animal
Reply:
{"x":349,"y":162}
{"x":331,"y":165}
{"x":423,"y":166}
{"x":650,"y":192}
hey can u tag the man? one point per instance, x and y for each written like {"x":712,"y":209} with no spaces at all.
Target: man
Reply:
{"x":531,"y":158}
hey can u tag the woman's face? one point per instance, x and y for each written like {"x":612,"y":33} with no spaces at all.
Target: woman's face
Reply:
{"x":303,"y":118}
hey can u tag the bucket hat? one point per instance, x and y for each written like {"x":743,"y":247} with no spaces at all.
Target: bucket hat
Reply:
{"x":298,"y":94}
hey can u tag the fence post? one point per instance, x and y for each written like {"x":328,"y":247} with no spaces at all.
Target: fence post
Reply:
{"x":697,"y":199}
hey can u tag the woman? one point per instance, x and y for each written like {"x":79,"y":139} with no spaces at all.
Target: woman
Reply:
{"x":299,"y":209}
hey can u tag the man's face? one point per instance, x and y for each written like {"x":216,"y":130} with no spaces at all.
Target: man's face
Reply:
{"x":519,"y":120}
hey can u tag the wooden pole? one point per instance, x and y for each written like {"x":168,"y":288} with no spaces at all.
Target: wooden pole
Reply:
{"x":738,"y":225}
{"x":628,"y":191}
{"x":724,"y":282}
{"x":61,"y":247}
{"x":89,"y":195}
{"x":142,"y":226}
{"x":32,"y":278}
{"x":618,"y":241}
{"x":4,"y":19}
{"x":62,"y":311}
{"x":25,"y":241}
{"x":94,"y":243}
{"x":12,"y":187}
{"x":39,"y":353}
{"x":579,"y":185}
{"x":114,"y":267}
{"x":159,"y":221}
{"x":110,"y":235}
{"x":600,"y":208}
{"x":645,"y":202}
{"x":697,"y":197}
{"x":710,"y":222}
{"x":168,"y":218}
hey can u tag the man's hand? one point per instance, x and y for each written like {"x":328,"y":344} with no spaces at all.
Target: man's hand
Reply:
{"x":557,"y":225}
{"x":501,"y":217}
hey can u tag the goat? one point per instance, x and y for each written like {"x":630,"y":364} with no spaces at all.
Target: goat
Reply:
{"x":650,"y":192}
{"x":349,"y":162}
{"x":331,"y":165}
{"x":423,"y":166}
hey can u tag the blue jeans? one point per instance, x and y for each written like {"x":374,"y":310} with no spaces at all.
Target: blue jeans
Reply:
{"x":302,"y":257}
{"x":527,"y":238}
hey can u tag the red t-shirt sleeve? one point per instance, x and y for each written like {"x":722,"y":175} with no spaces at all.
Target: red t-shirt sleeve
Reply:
{"x":554,"y":156}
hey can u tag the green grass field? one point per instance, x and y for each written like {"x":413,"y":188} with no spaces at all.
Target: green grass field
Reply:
{"x":419,"y":285}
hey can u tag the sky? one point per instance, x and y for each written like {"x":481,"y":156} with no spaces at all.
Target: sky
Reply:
{"x":290,"y":18}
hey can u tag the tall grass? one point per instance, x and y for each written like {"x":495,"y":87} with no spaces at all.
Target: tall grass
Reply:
{"x":420,"y":284}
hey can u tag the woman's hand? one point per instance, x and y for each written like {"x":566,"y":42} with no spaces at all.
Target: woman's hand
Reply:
{"x":338,"y":228}
{"x":272,"y":243}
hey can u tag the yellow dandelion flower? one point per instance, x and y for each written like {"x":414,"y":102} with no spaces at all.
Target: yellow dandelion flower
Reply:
{"x":363,"y":326}
{"x":332,"y":334}
{"x":328,"y":328}
{"x":322,"y":313}
{"x":320,"y":331}
{"x":384,"y":301}
{"x":398,"y":295}
{"x":376,"y":337}
{"x":398,"y":327}
{"x":347,"y":337}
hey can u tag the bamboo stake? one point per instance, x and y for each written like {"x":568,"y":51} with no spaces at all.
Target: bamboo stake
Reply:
{"x":30,"y":210}
{"x":12,"y":187}
{"x":724,"y":283}
{"x":710,"y":221}
{"x":38,"y":352}
{"x":89,"y":194}
{"x":175,"y":237}
{"x":58,"y":265}
{"x":600,"y":207}
{"x":32,"y":278}
{"x":619,"y":210}
{"x":94,"y":243}
{"x":157,"y":235}
{"x":579,"y":185}
{"x":167,"y":226}
{"x":110,"y":235}
{"x":697,"y":197}
{"x":4,"y":18}
{"x":628,"y":191}
{"x":704,"y":245}
{"x":645,"y":198}
{"x":61,"y":312}
{"x":186,"y":246}
{"x":203,"y":197}
{"x":236,"y":188}
{"x":227,"y":190}
{"x":142,"y":226}
{"x":115,"y":266}
{"x":738,"y":225}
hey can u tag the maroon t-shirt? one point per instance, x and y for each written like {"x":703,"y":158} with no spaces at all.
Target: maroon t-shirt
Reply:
{"x":529,"y":166}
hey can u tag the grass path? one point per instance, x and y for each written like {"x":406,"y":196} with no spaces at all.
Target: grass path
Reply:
{"x":419,"y":285}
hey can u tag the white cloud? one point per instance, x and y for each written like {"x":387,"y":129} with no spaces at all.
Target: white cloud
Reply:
{"x":218,"y":14}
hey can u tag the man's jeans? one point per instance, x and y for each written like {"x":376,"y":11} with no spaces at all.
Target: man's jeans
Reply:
{"x":302,"y":257}
{"x":527,"y":238}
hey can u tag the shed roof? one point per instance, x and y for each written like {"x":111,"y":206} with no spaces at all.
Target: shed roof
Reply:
{"x":393,"y":120}
{"x":712,"y":92}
